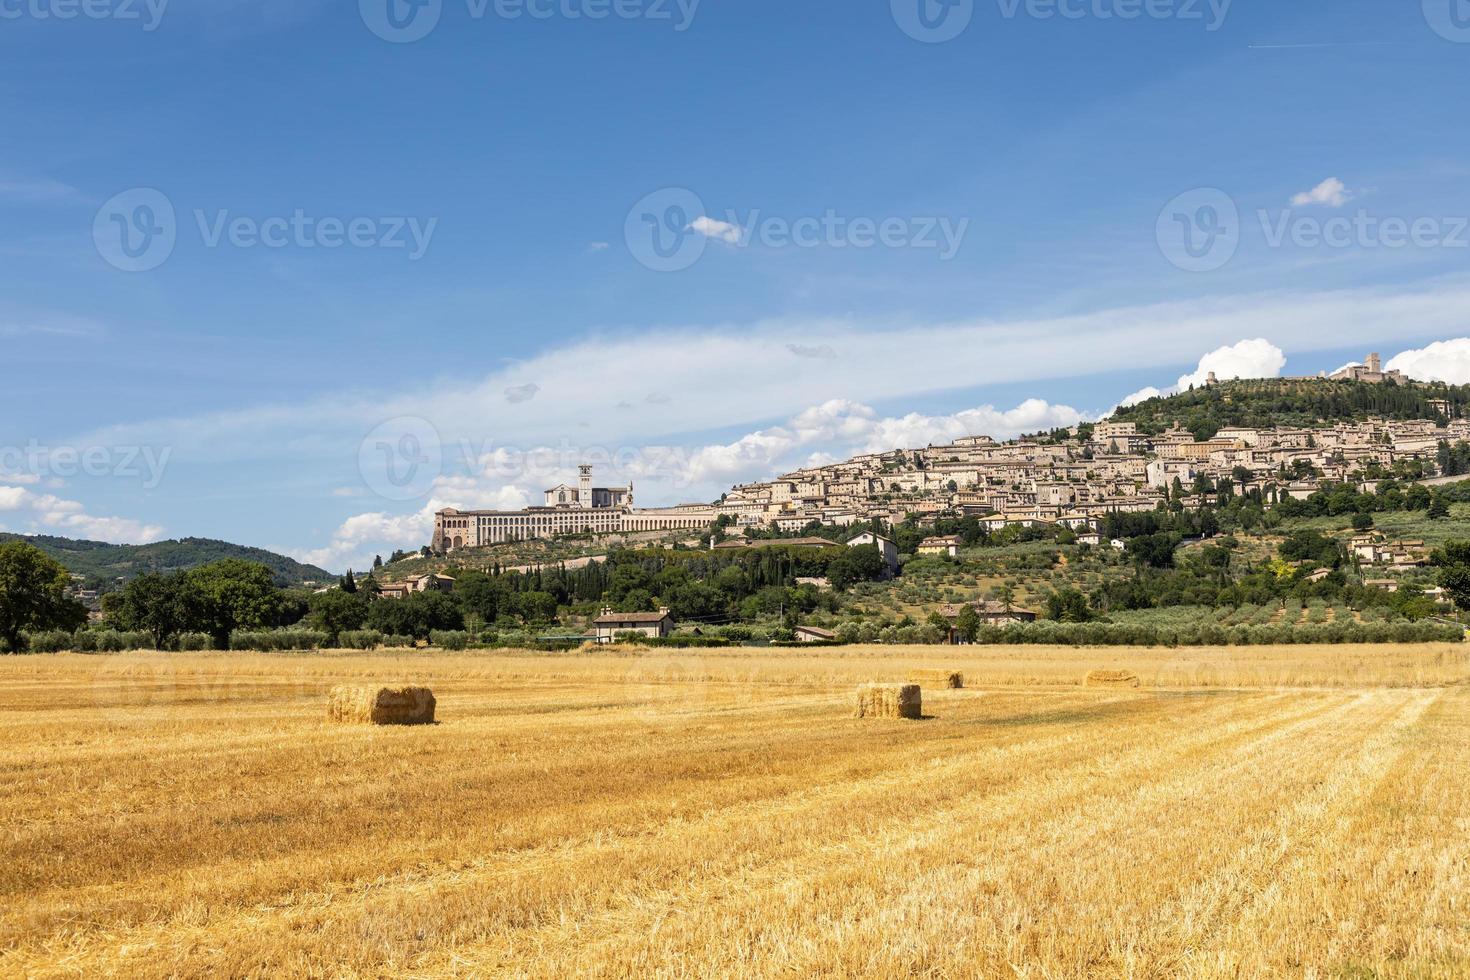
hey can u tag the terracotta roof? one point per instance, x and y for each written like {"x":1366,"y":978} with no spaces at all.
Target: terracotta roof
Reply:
{"x":780,"y":542}
{"x":609,"y":619}
{"x":951,"y":610}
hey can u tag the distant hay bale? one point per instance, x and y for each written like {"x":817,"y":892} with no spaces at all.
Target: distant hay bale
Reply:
{"x":381,"y":705}
{"x":889,"y":701}
{"x":1112,"y":678}
{"x":937,"y":678}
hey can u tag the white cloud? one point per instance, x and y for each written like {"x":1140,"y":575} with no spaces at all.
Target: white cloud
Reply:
{"x":832,"y":431}
{"x":1445,"y":360}
{"x":18,"y":322}
{"x":1257,"y":358}
{"x":1245,"y":359}
{"x":1331,"y":193}
{"x":698,"y":368}
{"x":1142,"y":395}
{"x":361,"y":536}
{"x":50,"y":514}
{"x":717,"y":229}
{"x":741,"y":375}
{"x":521,"y":393}
{"x":599,"y":246}
{"x":838,"y":429}
{"x":820,"y":352}
{"x":35,"y":191}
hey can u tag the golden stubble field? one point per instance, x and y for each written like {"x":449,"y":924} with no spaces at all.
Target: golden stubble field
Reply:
{"x":1249,"y":812}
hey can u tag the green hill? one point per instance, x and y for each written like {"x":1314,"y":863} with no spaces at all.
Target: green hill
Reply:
{"x":103,"y":564}
{"x":1301,"y":402}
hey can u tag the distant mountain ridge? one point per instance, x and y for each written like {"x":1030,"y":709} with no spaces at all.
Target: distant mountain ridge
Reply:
{"x":105,"y":563}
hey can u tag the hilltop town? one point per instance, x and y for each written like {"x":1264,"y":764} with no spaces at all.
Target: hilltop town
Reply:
{"x":1069,"y":478}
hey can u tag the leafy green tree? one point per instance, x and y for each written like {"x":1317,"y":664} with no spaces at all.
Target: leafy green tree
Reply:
{"x":1068,"y":606}
{"x":858,"y":564}
{"x":1005,"y":594}
{"x":163,"y":606}
{"x":1438,"y":509}
{"x":536,"y":607}
{"x":967,"y":623}
{"x":1154,"y":550}
{"x":233,"y":594}
{"x":334,"y":611}
{"x":1453,"y":562}
{"x":416,"y":615}
{"x":33,"y":595}
{"x":348,"y":583}
{"x":481,"y":595}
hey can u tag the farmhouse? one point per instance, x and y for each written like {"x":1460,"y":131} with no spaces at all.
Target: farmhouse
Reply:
{"x":610,"y":624}
{"x":887,"y":550}
{"x":947,"y":545}
{"x":991,"y":613}
{"x":419,"y":583}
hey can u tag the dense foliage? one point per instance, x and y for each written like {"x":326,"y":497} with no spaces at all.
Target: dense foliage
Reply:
{"x":103,"y":564}
{"x":33,"y":595}
{"x":1284,"y":402}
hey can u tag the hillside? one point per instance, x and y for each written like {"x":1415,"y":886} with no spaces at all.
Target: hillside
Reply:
{"x":1309,"y":402}
{"x":103,"y":563}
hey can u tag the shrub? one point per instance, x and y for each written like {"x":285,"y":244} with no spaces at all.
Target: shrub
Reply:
{"x":449,"y":639}
{"x":110,"y":641}
{"x":195,"y":641}
{"x":49,"y":641}
{"x":273,"y":641}
{"x":360,"y":639}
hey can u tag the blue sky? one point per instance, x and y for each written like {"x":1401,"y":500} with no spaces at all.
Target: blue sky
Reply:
{"x":996,"y":219}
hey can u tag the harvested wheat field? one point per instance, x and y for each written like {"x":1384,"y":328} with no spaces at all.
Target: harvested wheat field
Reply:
{"x":1244,"y":812}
